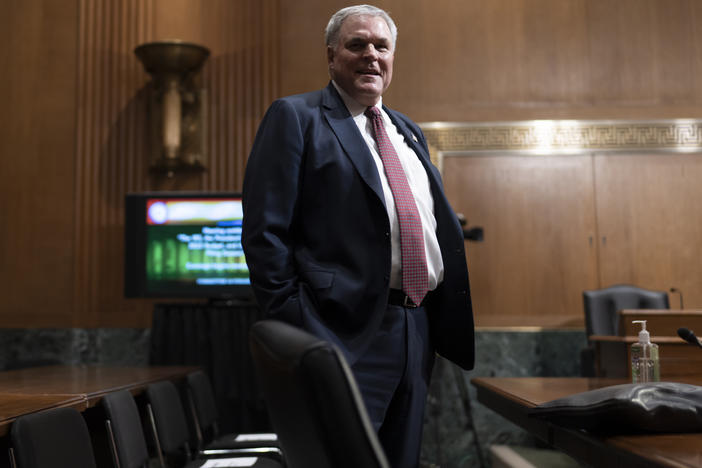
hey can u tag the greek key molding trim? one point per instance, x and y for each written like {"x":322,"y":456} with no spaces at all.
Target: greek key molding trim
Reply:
{"x":565,"y":136}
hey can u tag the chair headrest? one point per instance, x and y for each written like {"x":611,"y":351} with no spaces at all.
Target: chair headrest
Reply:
{"x":283,"y":342}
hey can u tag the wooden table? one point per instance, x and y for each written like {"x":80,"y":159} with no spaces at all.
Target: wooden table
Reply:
{"x":81,"y":387}
{"x":512,"y":397}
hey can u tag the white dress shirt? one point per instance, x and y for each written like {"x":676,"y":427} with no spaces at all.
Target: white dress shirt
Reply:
{"x":419,"y":184}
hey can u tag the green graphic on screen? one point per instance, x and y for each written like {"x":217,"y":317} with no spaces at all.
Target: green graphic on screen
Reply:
{"x":190,"y":251}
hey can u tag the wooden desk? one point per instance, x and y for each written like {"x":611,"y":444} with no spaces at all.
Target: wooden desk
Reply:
{"x":88,"y":382}
{"x":512,"y":397}
{"x":14,"y":405}
{"x":26,"y":391}
{"x":659,"y":322}
{"x":678,"y":359}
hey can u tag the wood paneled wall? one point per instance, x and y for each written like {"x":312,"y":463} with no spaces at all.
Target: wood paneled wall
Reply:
{"x":75,"y":140}
{"x":73,"y":131}
{"x":523,"y":59}
{"x":557,"y":224}
{"x":37,"y":171}
{"x":540,"y":249}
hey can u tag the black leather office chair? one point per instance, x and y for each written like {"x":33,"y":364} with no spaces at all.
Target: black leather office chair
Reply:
{"x":601,"y":307}
{"x":203,"y":408}
{"x":124,"y":430}
{"x":170,"y":431}
{"x":313,"y":401}
{"x":53,"y":438}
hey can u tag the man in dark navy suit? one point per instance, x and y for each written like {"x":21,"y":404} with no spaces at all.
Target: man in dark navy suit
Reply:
{"x":348,"y":234}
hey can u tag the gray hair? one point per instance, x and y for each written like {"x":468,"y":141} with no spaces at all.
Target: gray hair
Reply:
{"x":331,"y":35}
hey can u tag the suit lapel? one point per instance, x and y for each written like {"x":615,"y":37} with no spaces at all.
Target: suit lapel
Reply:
{"x":446,"y":220}
{"x":347,"y":133}
{"x":413,"y":141}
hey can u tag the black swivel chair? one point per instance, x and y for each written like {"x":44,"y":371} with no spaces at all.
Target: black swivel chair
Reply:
{"x":313,"y":401}
{"x":124,"y":430}
{"x":171,"y":434}
{"x":52,"y":438}
{"x":203,"y":408}
{"x":601,"y":307}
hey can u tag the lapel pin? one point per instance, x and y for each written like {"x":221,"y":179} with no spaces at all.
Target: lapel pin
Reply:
{"x":414,"y":137}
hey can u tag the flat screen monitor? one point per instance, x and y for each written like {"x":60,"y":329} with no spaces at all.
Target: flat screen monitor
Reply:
{"x":185,"y":244}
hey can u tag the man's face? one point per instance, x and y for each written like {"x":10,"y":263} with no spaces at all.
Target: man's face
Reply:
{"x":361,"y":61}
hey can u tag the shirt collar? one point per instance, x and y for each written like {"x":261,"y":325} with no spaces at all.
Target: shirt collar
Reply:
{"x":354,"y":107}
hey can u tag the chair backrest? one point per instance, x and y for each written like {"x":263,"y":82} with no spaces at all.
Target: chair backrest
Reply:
{"x":203,"y":404}
{"x":601,"y":306}
{"x":313,"y":401}
{"x":168,"y":417}
{"x":51,"y":438}
{"x":124,"y":429}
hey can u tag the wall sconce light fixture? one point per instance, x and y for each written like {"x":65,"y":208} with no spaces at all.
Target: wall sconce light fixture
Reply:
{"x":176,"y":105}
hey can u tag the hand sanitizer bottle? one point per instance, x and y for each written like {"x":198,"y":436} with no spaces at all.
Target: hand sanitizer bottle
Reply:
{"x":645,"y":365}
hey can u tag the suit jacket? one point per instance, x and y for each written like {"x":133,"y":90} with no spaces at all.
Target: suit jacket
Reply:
{"x":316,"y":232}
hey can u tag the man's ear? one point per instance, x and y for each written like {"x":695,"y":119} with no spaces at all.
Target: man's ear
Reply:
{"x":330,"y":61}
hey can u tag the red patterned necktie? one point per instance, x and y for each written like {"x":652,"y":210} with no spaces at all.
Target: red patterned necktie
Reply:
{"x":415,"y":279}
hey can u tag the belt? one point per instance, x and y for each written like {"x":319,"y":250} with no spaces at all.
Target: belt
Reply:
{"x":397,"y":297}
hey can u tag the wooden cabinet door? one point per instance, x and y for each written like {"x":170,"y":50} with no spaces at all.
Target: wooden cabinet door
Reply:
{"x":538,"y":253}
{"x":649,"y":213}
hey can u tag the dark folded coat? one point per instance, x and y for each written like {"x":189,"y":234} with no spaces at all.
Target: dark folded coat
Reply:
{"x":628,"y":408}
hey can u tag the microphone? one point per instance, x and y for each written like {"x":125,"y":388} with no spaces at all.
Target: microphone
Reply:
{"x":472,"y":234}
{"x":461,"y":219}
{"x":689,"y":336}
{"x":676,"y":290}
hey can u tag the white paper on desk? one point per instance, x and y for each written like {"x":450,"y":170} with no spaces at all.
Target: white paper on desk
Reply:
{"x":242,"y":461}
{"x":250,"y":437}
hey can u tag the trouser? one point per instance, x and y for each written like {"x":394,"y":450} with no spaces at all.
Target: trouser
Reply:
{"x":393,"y":376}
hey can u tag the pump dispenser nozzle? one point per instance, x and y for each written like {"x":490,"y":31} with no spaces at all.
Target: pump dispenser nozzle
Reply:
{"x":644,"y":336}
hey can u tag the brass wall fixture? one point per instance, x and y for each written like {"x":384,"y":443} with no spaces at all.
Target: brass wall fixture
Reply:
{"x":176,"y":105}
